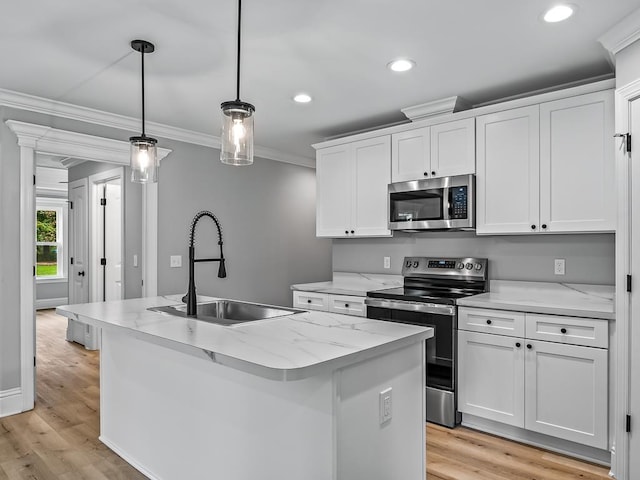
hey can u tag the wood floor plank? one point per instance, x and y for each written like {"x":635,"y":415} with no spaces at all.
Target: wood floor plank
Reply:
{"x":59,"y":438}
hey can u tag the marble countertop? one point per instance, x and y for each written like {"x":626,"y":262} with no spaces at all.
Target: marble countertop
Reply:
{"x":356,"y":284}
{"x":572,"y":299}
{"x":291,"y":347}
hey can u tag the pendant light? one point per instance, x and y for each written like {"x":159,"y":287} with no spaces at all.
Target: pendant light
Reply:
{"x":237,"y":122}
{"x":144,"y":161}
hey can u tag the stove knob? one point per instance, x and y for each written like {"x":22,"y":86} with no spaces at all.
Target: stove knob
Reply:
{"x":478,"y":266}
{"x":460,"y":266}
{"x":469,"y":266}
{"x":408,"y":264}
{"x":415,"y":264}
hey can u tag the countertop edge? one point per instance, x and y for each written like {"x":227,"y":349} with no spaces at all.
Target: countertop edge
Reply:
{"x":504,"y":305}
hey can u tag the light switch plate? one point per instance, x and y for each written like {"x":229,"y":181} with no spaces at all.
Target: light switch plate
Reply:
{"x":175,"y":261}
{"x":387,"y":262}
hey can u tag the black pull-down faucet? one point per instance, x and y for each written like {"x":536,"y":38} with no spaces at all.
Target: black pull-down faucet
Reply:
{"x":190,"y":297}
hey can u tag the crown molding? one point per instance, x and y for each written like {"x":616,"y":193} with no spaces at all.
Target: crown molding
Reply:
{"x":32,"y":103}
{"x":622,"y":34}
{"x":437,"y":107}
{"x":77,"y":145}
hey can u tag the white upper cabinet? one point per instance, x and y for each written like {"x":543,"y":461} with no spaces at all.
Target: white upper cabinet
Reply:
{"x":453,"y":148}
{"x":547,"y":168}
{"x":507,"y":173}
{"x":352,"y":184}
{"x":431,"y":152}
{"x":577,"y":184}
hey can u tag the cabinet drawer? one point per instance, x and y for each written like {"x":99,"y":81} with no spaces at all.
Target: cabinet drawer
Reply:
{"x":589,"y":332}
{"x":501,"y":322}
{"x":310,"y":300}
{"x":347,"y":305}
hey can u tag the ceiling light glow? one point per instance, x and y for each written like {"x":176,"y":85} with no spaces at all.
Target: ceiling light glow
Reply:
{"x":401,"y":65}
{"x":302,"y":98}
{"x":558,"y":13}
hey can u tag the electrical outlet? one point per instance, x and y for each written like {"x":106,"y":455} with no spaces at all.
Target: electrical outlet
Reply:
{"x":175,"y":261}
{"x":387,"y":262}
{"x":135,"y":260}
{"x":558,"y":266}
{"x":385,"y":406}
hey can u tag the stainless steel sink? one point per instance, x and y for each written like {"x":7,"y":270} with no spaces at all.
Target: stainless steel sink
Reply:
{"x":228,"y":312}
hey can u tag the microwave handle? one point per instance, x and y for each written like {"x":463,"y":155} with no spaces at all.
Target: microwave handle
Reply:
{"x":449,"y":203}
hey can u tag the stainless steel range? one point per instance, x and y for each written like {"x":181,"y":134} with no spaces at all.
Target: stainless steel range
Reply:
{"x":432,"y":288}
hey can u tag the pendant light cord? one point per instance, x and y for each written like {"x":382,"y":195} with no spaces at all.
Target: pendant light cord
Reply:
{"x":238,"y":59}
{"x":142,"y":61}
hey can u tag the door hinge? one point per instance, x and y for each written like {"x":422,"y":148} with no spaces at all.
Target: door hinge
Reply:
{"x":34,"y":179}
{"x":34,"y":270}
{"x":628,"y":424}
{"x":103,"y":261}
{"x":627,"y":141}
{"x":70,"y":205}
{"x":71,"y":260}
{"x":103,"y":201}
{"x":34,"y":361}
{"x":628,"y":283}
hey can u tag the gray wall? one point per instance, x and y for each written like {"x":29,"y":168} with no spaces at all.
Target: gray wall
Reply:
{"x":267,"y":212}
{"x":590,"y":258}
{"x":132,"y":196}
{"x":47,"y":290}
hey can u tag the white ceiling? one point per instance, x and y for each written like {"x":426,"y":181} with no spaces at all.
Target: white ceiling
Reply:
{"x":77,"y":51}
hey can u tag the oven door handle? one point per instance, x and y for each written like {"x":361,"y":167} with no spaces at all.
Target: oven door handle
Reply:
{"x":411,"y":306}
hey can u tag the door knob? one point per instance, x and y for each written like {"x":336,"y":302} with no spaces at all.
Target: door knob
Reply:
{"x":81,"y":274}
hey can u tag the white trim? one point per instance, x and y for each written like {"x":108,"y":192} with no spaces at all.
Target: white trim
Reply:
{"x":127,"y":458}
{"x":435,"y":108}
{"x":623,"y":96}
{"x":10,"y":402}
{"x":32,"y":138}
{"x":56,"y":108}
{"x":51,"y":302}
{"x":622,"y":34}
{"x":46,"y":280}
{"x":150,"y":240}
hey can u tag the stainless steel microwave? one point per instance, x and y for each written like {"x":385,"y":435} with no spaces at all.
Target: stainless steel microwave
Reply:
{"x":433,"y":204}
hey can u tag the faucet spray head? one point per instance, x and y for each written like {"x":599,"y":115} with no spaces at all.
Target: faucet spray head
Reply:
{"x":222,"y":271}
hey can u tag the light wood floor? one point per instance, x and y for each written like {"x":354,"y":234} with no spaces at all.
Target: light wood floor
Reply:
{"x":59,"y":438}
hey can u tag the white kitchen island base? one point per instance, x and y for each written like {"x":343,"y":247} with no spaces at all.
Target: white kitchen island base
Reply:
{"x":178,"y":414}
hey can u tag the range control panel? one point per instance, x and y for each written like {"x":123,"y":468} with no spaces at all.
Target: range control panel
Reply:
{"x":466,"y":267}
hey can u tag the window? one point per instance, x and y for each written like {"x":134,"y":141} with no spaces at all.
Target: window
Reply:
{"x":50,"y":250}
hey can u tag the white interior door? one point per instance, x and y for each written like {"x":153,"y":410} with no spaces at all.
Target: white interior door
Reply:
{"x":113,"y":240}
{"x":78,"y":242}
{"x":634,"y":311}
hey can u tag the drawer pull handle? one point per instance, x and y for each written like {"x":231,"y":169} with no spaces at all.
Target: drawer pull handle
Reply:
{"x":529,"y":346}
{"x":563,"y":330}
{"x":488,"y":322}
{"x":517,"y":344}
{"x":309,"y":301}
{"x":346,"y":305}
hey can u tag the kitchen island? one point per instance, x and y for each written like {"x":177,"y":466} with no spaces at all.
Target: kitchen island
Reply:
{"x":299,"y":396}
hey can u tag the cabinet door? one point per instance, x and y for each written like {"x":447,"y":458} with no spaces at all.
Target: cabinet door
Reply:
{"x":334,"y":186}
{"x":372,"y":173}
{"x":410,"y":155}
{"x":491,"y":377}
{"x":453,"y":148}
{"x":507,"y":171}
{"x":577,"y":165}
{"x":566,"y":392}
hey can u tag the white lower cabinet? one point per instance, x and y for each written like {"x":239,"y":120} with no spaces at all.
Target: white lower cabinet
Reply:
{"x":555,"y":387}
{"x":345,"y":304}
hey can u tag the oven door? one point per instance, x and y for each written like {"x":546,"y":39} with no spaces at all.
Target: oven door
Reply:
{"x":440,"y":348}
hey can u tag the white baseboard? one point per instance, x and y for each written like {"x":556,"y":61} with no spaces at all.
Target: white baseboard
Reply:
{"x":51,"y":302}
{"x":10,"y":402}
{"x":127,"y":458}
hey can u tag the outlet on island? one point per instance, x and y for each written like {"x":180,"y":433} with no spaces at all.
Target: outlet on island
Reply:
{"x":385,"y":406}
{"x":175,"y":261}
{"x":387,"y":262}
{"x":558,"y":266}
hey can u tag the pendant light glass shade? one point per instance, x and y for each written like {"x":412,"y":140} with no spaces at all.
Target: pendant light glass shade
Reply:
{"x":237,"y":121}
{"x":237,"y":133}
{"x":144,"y":160}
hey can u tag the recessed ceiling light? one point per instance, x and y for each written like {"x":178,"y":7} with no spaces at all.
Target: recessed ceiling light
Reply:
{"x":401,"y":65}
{"x":558,"y":13}
{"x":302,"y":98}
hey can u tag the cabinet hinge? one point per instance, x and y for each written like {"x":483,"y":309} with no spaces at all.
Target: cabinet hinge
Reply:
{"x":627,"y":141}
{"x":628,"y":424}
{"x":103,"y":261}
{"x":103,"y":201}
{"x":628,"y":283}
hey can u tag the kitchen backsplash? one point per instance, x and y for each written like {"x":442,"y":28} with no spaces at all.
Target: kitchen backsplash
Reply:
{"x":590,"y":258}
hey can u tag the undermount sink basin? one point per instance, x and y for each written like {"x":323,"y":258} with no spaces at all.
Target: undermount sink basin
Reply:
{"x":228,"y":312}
